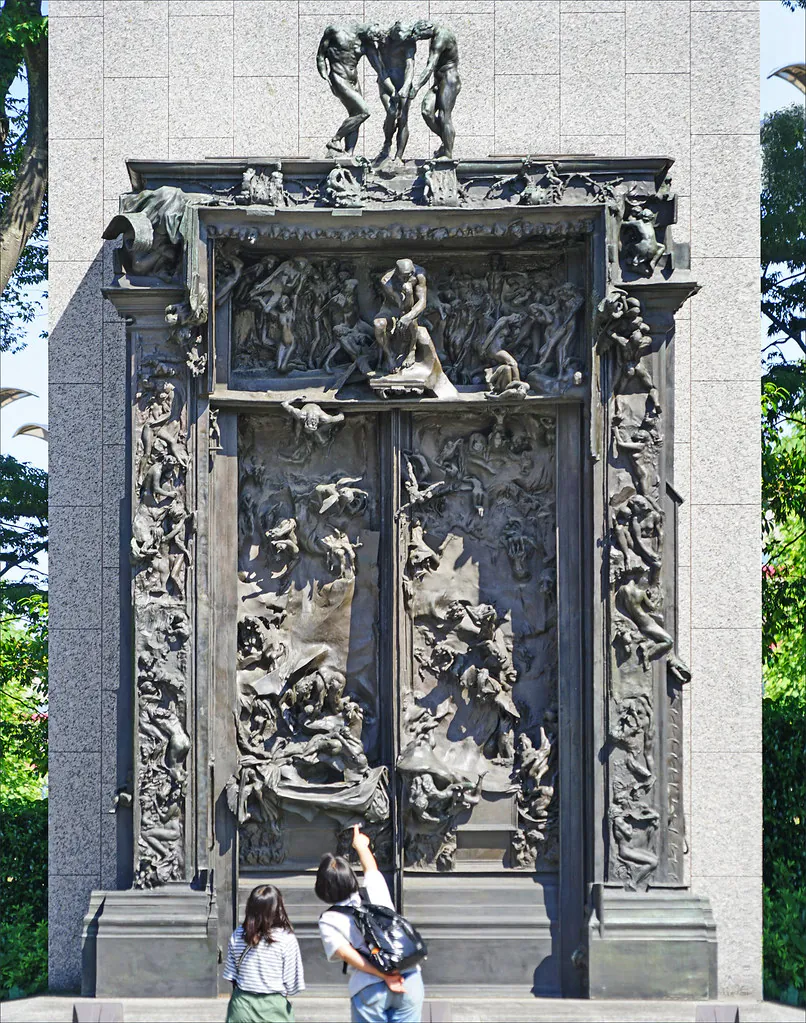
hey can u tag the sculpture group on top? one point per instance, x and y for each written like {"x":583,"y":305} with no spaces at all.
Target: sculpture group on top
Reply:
{"x":391,"y":53}
{"x":407,"y":331}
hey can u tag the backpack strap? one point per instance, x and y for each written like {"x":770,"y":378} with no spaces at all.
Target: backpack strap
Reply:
{"x":352,"y":911}
{"x":346,"y":910}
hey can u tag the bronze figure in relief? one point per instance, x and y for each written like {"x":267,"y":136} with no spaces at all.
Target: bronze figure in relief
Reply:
{"x":409,"y":360}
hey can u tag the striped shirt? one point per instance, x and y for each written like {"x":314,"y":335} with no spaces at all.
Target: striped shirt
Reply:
{"x":266,"y":969}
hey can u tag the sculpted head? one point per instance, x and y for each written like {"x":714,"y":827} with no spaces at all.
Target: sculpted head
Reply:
{"x":422,"y":29}
{"x":404,"y":268}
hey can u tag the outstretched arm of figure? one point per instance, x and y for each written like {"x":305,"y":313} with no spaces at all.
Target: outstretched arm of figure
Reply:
{"x":295,"y":412}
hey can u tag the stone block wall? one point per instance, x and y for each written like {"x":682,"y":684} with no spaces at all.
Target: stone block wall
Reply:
{"x":186,"y":79}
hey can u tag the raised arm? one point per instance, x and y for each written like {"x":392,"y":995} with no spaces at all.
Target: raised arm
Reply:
{"x":387,"y":288}
{"x":361,"y":846}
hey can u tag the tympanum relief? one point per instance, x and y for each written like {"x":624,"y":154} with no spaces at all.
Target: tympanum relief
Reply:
{"x":507,"y":326}
{"x":478,"y":525}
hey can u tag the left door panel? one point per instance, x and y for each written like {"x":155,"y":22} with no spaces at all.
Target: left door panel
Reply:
{"x":308,"y":716}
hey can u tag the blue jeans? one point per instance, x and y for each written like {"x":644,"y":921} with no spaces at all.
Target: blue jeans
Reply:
{"x":377,"y":1004}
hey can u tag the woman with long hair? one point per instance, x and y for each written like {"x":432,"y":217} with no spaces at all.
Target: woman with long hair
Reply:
{"x":263,"y":962}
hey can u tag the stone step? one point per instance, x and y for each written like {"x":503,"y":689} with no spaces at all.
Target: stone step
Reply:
{"x":466,"y":1008}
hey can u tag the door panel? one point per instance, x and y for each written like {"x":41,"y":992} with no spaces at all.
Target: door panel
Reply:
{"x":309,"y":721}
{"x":478,"y":757}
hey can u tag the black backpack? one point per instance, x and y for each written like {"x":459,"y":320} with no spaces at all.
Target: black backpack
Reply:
{"x":394,"y":945}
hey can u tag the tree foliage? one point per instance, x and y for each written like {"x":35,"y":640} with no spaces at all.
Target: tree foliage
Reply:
{"x":784,"y":736}
{"x":23,"y":518}
{"x":23,"y":166}
{"x":23,"y":696}
{"x":783,"y":223}
{"x":23,"y":898}
{"x":783,"y":301}
{"x":783,"y":434}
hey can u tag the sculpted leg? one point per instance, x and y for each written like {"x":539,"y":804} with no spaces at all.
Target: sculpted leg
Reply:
{"x":358,"y":110}
{"x":429,"y":111}
{"x":403,"y":130}
{"x":447,"y":92}
{"x":382,"y":340}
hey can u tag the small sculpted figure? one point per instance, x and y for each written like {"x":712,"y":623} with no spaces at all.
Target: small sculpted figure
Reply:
{"x":260,"y":187}
{"x":624,"y":332}
{"x":504,"y":378}
{"x":640,"y":248}
{"x":342,"y":190}
{"x":312,"y":425}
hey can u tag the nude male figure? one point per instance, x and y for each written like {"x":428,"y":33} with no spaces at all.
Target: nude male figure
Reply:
{"x":443,"y":66}
{"x":396,"y":50}
{"x":340,"y":50}
{"x":404,"y":292}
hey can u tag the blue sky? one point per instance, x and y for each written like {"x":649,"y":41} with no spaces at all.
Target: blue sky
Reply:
{"x":783,"y":41}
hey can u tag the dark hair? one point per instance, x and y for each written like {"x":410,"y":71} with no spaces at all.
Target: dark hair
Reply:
{"x":265,"y":910}
{"x":335,"y":879}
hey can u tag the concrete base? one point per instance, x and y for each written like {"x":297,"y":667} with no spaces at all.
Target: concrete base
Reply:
{"x":656,"y":944}
{"x":162,"y":942}
{"x":464,"y":1007}
{"x":454,"y":916}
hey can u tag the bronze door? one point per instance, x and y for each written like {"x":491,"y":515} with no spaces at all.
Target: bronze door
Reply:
{"x":398,"y":654}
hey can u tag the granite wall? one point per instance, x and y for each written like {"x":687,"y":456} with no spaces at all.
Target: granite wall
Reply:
{"x":185,"y":79}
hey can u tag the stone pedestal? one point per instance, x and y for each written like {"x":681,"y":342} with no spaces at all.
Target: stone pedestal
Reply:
{"x":656,"y":944}
{"x":157,"y":944}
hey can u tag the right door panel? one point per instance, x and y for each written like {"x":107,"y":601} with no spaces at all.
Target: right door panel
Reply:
{"x":478,"y":758}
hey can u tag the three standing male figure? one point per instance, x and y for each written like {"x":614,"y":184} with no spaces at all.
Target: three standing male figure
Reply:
{"x":391,"y":54}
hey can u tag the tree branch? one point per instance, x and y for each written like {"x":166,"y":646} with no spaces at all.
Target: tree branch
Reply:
{"x":24,"y":206}
{"x":782,"y":328}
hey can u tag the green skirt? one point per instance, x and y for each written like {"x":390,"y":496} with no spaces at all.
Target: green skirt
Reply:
{"x":247,"y":1007}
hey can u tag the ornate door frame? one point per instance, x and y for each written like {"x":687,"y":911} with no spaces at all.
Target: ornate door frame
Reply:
{"x":627,"y":829}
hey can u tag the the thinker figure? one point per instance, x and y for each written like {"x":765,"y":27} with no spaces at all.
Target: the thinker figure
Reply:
{"x":407,"y":351}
